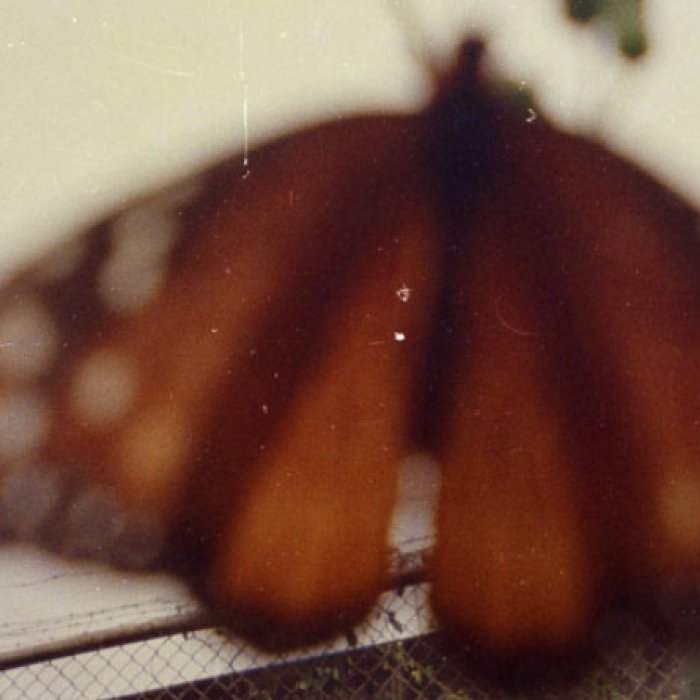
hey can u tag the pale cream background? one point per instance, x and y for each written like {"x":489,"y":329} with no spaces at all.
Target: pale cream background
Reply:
{"x":101,"y":98}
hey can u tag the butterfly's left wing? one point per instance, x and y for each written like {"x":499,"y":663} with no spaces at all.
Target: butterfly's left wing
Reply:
{"x":295,"y":519}
{"x":220,"y":374}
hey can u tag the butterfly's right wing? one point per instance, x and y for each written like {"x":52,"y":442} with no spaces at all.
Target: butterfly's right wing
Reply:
{"x":514,"y":568}
{"x":571,"y":459}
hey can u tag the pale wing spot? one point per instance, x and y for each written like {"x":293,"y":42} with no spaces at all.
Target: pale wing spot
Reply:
{"x":153,"y":456}
{"x":104,"y":389}
{"x":25,"y":421}
{"x":135,"y":272}
{"x":145,"y":233}
{"x":62,"y":265}
{"x":28,"y":339}
{"x":29,"y":497}
{"x":127,"y":289}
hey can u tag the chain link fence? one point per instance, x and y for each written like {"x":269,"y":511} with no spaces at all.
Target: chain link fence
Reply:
{"x":157,"y":644}
{"x":395,"y":655}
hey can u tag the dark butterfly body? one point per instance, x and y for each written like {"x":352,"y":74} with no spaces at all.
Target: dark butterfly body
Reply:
{"x":237,"y":366}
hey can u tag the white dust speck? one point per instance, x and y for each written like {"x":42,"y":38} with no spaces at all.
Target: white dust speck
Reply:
{"x":404,"y":293}
{"x":244,"y":81}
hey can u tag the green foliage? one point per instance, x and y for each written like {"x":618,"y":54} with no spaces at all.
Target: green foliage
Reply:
{"x":321,"y":680}
{"x":583,"y":10}
{"x":624,"y":18}
{"x":398,"y":660}
{"x":256,"y":694}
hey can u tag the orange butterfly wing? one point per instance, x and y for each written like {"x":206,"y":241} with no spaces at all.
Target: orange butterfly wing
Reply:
{"x":628,"y":265}
{"x":231,"y":368}
{"x":303,"y":466}
{"x":513,"y":565}
{"x":570,"y":459}
{"x":308,"y":506}
{"x":231,"y":372}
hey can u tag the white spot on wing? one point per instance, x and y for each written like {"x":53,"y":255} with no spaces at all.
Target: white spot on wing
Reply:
{"x":127,"y":290}
{"x":135,"y":273}
{"x":28,"y":339}
{"x":25,"y":420}
{"x":104,"y":388}
{"x":147,"y":232}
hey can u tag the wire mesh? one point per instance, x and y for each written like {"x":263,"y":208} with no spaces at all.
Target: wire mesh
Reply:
{"x":395,"y":655}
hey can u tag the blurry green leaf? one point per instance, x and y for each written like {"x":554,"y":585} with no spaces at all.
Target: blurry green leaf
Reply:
{"x":583,"y":10}
{"x":627,"y":19}
{"x":624,"y":18}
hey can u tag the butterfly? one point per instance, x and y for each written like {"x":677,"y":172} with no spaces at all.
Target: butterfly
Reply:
{"x":223,"y":378}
